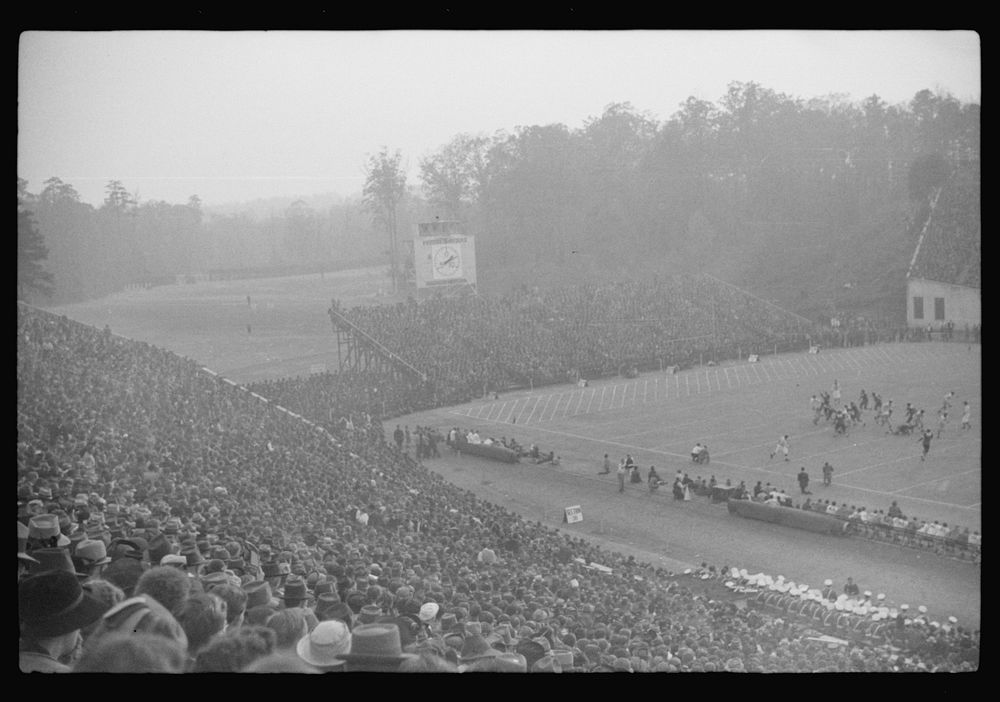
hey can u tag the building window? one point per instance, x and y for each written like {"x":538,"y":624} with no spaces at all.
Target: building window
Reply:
{"x":939,"y":309}
{"x":918,"y":308}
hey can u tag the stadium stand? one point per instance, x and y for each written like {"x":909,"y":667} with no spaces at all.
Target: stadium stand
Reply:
{"x":192,"y":484}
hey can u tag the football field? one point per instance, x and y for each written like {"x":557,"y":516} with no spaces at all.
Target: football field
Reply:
{"x":737,"y":409}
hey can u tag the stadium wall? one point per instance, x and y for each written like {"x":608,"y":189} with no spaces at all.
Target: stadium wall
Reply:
{"x":961,"y":305}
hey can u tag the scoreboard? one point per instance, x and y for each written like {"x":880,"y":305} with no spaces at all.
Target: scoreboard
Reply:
{"x":443,"y":255}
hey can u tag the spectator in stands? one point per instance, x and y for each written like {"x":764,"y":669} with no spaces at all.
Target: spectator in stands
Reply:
{"x":53,"y":609}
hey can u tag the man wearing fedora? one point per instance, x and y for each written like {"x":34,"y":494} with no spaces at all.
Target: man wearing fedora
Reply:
{"x":375,"y":648}
{"x":53,"y":608}
{"x":322,"y":646}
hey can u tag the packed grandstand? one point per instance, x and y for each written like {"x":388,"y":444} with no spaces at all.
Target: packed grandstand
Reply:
{"x":170,"y":520}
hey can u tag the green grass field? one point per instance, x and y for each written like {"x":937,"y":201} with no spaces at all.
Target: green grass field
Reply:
{"x":738,"y":410}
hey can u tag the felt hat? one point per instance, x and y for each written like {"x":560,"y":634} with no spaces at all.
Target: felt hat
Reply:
{"x":43,"y":526}
{"x":377,"y":644}
{"x":295,"y":589}
{"x":369,"y":613}
{"x":259,"y":593}
{"x":91,"y":552}
{"x":475,"y":647}
{"x":53,"y":603}
{"x":323,"y":645}
{"x":22,"y":544}
{"x":52,"y":559}
{"x":173,"y":559}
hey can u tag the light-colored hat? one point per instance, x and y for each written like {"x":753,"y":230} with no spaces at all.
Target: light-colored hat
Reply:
{"x":828,"y":582}
{"x":881,"y":596}
{"x":324,"y":643}
{"x":904,"y":607}
{"x":868,"y":593}
{"x":953,"y":620}
{"x":92,"y":552}
{"x":922,"y":609}
{"x":173,"y":559}
{"x":429,"y":611}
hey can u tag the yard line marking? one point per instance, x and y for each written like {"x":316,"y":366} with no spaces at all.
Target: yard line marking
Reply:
{"x":757,"y":373}
{"x":538,"y":398}
{"x":489,"y":412}
{"x":687,"y":383}
{"x":513,"y":413}
{"x":480,"y":411}
{"x":697,"y":377}
{"x":548,"y":399}
{"x":614,"y":389}
{"x":601,"y":403}
{"x":645,"y":391}
{"x":524,"y":407}
{"x":708,"y":381}
{"x":555,"y":409}
{"x":502,"y":408}
{"x":820,"y":364}
{"x":803,"y":366}
{"x":769,"y":378}
{"x":728,"y":382}
{"x":677,"y":384}
{"x":593,"y":393}
{"x":579,"y":402}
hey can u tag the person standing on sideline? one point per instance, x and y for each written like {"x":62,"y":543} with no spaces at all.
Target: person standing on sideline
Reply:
{"x":621,"y":476}
{"x":966,"y":416}
{"x":925,"y":438}
{"x":804,"y":481}
{"x":607,"y":465}
{"x":836,"y":392}
{"x":398,"y":437}
{"x":827,"y":474}
{"x":781,"y":447}
{"x":851,"y":588}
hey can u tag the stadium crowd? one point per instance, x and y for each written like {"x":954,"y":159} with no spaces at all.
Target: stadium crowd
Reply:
{"x":170,"y":521}
{"x":471,"y":345}
{"x":950,"y":252}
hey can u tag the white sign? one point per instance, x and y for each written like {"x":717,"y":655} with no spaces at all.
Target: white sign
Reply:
{"x":814,"y":349}
{"x":752,"y":358}
{"x":574,"y":514}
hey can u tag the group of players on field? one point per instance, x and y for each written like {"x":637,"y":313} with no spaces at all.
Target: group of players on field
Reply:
{"x":827,"y":406}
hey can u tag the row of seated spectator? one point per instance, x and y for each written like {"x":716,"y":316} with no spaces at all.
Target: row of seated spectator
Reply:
{"x":244,"y":530}
{"x":457,"y":437}
{"x":468,"y":345}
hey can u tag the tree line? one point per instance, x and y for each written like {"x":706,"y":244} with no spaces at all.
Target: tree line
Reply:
{"x":715,"y":182}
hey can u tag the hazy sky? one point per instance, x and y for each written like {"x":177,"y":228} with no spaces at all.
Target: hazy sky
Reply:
{"x":231,"y":116}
